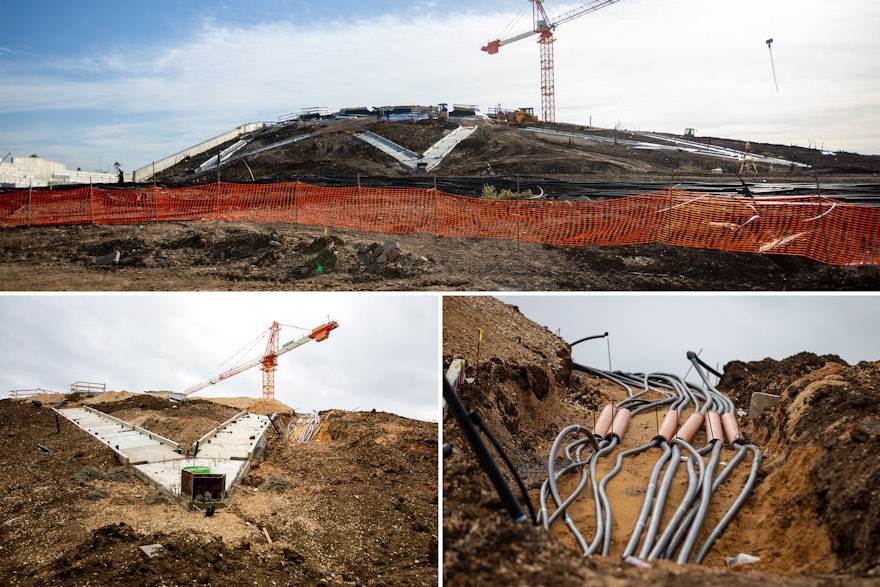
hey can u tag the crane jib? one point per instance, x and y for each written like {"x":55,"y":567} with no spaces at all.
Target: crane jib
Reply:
{"x":317,"y":334}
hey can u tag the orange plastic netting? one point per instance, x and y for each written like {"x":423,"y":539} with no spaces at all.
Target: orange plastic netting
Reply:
{"x":823,"y":229}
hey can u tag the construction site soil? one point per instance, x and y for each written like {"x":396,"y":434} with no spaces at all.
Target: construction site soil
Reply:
{"x":252,"y":256}
{"x":813,"y":518}
{"x":355,"y":506}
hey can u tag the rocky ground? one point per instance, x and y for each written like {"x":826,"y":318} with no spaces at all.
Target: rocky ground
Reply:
{"x":356,"y":506}
{"x":245,"y":256}
{"x":812,"y":518}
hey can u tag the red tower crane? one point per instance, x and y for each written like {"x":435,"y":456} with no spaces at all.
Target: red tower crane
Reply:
{"x":269,"y":361}
{"x":544,"y":27}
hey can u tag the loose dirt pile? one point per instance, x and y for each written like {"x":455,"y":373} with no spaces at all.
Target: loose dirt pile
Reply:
{"x":813,"y":515}
{"x":356,"y":507}
{"x":241,"y":256}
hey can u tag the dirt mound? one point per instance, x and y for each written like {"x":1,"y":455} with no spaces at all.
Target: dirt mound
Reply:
{"x":240,"y":403}
{"x":108,"y":397}
{"x":266,"y":406}
{"x":350,"y":511}
{"x":46,"y":398}
{"x":827,"y":428}
{"x":811,"y":517}
{"x":331,"y":148}
{"x":269,"y":407}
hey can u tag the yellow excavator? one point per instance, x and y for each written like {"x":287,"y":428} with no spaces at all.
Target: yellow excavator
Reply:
{"x":521,"y":116}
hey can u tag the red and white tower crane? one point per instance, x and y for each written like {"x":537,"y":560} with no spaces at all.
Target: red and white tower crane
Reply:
{"x":269,"y":360}
{"x":544,"y":27}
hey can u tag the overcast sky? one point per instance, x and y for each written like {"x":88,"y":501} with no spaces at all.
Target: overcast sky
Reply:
{"x":653,"y":332}
{"x":384,"y":355}
{"x":93,"y":82}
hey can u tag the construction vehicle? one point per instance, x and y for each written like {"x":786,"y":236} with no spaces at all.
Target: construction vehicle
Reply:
{"x":269,"y":360}
{"x":524,"y":116}
{"x":544,"y":27}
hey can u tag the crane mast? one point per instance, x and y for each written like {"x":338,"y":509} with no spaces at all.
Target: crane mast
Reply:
{"x":544,"y":27}
{"x":269,"y":361}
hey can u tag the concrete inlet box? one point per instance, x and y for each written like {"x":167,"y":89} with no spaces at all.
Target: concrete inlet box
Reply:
{"x":203,"y":486}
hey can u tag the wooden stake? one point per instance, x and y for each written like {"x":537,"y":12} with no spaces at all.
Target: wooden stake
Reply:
{"x":266,"y":533}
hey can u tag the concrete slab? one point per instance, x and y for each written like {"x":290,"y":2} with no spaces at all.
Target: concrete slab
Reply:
{"x":227,"y":449}
{"x":237,"y":438}
{"x":430,"y":158}
{"x":132,"y":444}
{"x":761,"y":402}
{"x":389,"y":147}
{"x":435,"y":154}
{"x":151,"y":454}
{"x":152,"y":550}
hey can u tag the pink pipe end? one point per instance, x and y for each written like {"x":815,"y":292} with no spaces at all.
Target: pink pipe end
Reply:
{"x":603,"y":424}
{"x":714,"y":431}
{"x":731,"y":428}
{"x":619,"y":425}
{"x":690,"y":428}
{"x":669,"y":425}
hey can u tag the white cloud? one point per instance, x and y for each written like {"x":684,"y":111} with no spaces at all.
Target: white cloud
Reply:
{"x":384,"y":355}
{"x":655,"y":66}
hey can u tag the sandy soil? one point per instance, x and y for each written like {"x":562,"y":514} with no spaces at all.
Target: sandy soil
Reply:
{"x":359,"y":508}
{"x":811,"y":518}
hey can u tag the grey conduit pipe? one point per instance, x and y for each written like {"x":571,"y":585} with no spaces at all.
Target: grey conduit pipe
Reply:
{"x":646,"y":504}
{"x":725,"y":473}
{"x":660,"y":501}
{"x":693,"y":531}
{"x":680,"y":513}
{"x":675,"y":528}
{"x":614,"y":436}
{"x":606,"y":537}
{"x":598,"y":496}
{"x":552,"y":478}
{"x":682,"y":440}
{"x":734,"y":509}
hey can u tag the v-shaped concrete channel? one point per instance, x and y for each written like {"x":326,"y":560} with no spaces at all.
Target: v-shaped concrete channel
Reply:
{"x":227,"y":449}
{"x":430,"y":158}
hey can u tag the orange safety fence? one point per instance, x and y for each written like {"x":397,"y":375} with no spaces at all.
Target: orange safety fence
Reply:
{"x":823,"y":229}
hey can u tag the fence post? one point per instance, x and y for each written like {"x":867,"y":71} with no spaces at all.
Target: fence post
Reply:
{"x":436,"y":209}
{"x":357,"y":203}
{"x":30,"y":193}
{"x":518,"y":230}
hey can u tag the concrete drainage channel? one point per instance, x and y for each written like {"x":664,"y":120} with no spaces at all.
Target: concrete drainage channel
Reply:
{"x":430,"y":159}
{"x":206,"y":473}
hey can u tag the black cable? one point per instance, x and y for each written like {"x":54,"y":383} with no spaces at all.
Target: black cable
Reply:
{"x":692,"y":356}
{"x":487,"y":463}
{"x":588,"y":338}
{"x":522,"y":487}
